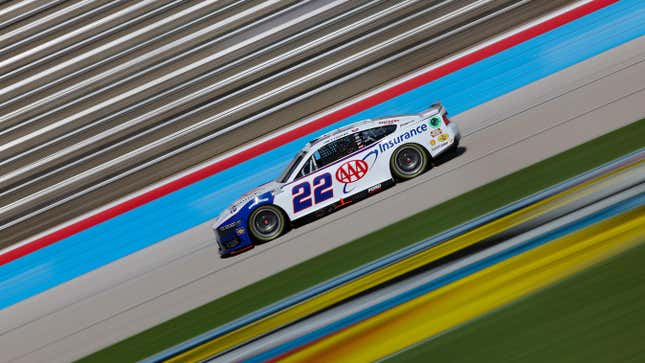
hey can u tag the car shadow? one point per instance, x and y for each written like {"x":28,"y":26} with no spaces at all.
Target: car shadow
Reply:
{"x":443,"y":158}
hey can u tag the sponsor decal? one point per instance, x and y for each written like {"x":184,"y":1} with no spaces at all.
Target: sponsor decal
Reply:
{"x":436,"y":147}
{"x":323,"y":189}
{"x":385,"y":145}
{"x":387,"y":122}
{"x":259,"y":200}
{"x":435,"y":122}
{"x":229,"y":225}
{"x":370,"y":157}
{"x":433,"y":142}
{"x":443,"y":137}
{"x":343,"y":202}
{"x":374,"y":189}
{"x":435,"y":132}
{"x":351,"y":171}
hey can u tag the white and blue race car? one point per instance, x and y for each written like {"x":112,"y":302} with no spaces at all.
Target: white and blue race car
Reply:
{"x":334,"y":170}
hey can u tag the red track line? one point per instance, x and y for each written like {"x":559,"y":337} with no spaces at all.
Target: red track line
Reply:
{"x":304,"y":130}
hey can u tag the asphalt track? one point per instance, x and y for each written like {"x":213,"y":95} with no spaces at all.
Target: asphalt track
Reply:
{"x":344,"y":310}
{"x":501,"y":224}
{"x":501,"y":65}
{"x":501,"y":282}
{"x":183,"y":272}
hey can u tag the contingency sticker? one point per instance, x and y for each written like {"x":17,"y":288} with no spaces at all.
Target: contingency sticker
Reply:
{"x":435,"y":122}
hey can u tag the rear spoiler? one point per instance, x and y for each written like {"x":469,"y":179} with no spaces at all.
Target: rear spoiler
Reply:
{"x":434,"y":109}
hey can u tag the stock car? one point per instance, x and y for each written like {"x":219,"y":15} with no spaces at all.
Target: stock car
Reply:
{"x":333,"y":170}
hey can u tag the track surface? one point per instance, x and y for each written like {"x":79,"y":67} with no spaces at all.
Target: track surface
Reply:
{"x":183,"y":272}
{"x":325,"y":319}
{"x":191,"y":203}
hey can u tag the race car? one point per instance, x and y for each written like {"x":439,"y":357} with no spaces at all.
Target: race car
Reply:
{"x":336,"y":169}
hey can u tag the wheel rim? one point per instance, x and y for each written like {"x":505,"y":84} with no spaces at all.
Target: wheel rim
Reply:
{"x":409,"y":160}
{"x":266,"y":223}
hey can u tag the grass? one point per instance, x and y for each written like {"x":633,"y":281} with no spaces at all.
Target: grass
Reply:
{"x":595,"y":316}
{"x":377,"y":244}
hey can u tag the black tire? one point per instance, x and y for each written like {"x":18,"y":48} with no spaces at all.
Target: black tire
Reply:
{"x":408,"y":161}
{"x":266,"y":223}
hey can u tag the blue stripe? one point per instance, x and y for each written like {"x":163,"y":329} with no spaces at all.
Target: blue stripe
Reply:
{"x":195,"y":204}
{"x":435,"y":284}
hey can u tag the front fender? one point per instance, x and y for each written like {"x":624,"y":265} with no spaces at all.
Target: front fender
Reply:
{"x":237,"y":238}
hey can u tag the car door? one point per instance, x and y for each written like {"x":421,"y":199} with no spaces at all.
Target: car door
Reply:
{"x":366,"y":168}
{"x":336,"y":170}
{"x":314,"y":187}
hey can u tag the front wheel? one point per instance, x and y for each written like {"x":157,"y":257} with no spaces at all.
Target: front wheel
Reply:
{"x":408,"y":161}
{"x":266,"y":223}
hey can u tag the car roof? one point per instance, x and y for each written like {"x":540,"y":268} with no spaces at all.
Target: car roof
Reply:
{"x":353,"y":127}
{"x":335,"y":134}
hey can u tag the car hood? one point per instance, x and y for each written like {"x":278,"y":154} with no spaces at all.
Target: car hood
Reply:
{"x":259,"y":192}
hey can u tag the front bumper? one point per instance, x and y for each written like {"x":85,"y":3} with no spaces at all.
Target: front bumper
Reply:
{"x":232,"y":239}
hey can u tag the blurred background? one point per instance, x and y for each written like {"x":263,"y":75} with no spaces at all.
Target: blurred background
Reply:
{"x":127,"y":127}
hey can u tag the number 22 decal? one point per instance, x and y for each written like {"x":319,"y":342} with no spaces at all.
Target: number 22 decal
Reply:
{"x":323,"y":190}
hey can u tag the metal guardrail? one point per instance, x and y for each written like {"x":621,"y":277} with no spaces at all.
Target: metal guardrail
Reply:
{"x":395,"y":257}
{"x":223,"y":11}
{"x":122,"y":13}
{"x":155,"y":82}
{"x":211,"y":73}
{"x":32,"y":31}
{"x":24,"y":11}
{"x":111,"y":58}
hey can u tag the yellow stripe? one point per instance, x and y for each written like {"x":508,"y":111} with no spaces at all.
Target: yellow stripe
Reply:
{"x":477,"y":294}
{"x":343,"y":292}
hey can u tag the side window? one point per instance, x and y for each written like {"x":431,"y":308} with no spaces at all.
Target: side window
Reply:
{"x":373,"y":135}
{"x":336,"y":150}
{"x":308,"y":168}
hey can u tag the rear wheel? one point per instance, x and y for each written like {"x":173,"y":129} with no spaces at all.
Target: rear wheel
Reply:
{"x":408,"y":161}
{"x":266,"y":223}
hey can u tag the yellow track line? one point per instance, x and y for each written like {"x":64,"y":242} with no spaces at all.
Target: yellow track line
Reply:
{"x":329,"y":298}
{"x":477,"y":294}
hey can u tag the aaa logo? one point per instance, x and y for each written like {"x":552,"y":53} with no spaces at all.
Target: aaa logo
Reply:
{"x":351,"y":171}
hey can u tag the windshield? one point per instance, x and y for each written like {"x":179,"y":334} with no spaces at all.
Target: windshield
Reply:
{"x":290,"y":168}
